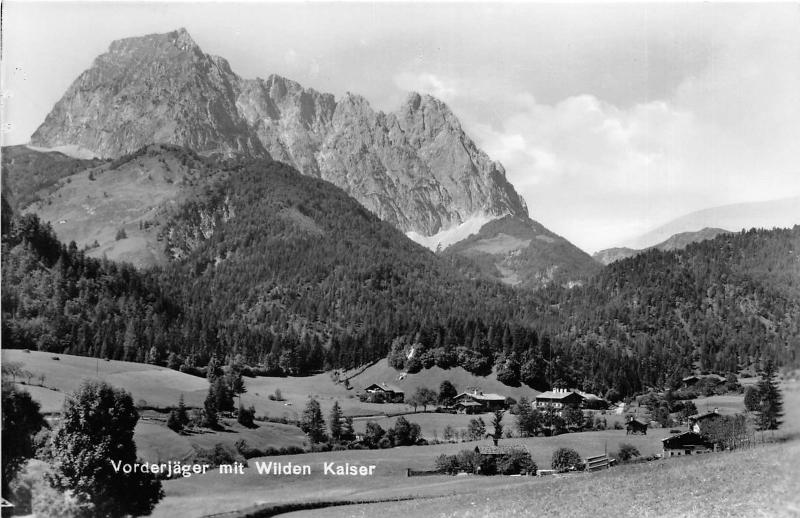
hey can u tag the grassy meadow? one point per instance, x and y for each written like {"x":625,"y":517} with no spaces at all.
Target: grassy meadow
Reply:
{"x":738,"y":484}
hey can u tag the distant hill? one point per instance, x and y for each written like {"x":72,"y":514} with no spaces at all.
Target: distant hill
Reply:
{"x":676,"y":242}
{"x":521,"y":252}
{"x":28,"y":175}
{"x":780,"y":213}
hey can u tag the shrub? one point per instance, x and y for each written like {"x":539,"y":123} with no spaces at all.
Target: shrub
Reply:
{"x":121,"y":234}
{"x":447,"y":464}
{"x":517,"y":462}
{"x":173,"y":423}
{"x":627,"y":452}
{"x":217,"y":455}
{"x":246,"y":416}
{"x":469,"y":460}
{"x":565,"y":459}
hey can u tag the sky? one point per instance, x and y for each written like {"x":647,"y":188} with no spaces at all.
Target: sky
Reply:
{"x":610,"y":119}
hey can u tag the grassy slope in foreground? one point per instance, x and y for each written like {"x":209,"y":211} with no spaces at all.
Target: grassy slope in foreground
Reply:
{"x":758,"y":482}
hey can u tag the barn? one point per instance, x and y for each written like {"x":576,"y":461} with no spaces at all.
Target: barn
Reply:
{"x":686,"y":443}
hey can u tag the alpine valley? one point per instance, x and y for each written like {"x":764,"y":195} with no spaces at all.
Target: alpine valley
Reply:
{"x":169,"y":209}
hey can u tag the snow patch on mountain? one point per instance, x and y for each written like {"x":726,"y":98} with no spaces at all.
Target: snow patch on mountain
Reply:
{"x":455,"y":234}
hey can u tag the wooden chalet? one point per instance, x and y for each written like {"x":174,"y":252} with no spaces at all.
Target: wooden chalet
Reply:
{"x":635,"y":426}
{"x":692,"y":380}
{"x":391,"y":393}
{"x":559,"y":399}
{"x":699,"y":423}
{"x":468,"y":407}
{"x":490,"y":450}
{"x":488,"y":402}
{"x":686,"y":443}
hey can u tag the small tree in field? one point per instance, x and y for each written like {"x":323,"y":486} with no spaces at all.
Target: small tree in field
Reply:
{"x":497,"y":423}
{"x":447,"y":392}
{"x":312,"y":422}
{"x":565,"y":459}
{"x":476,"y":429}
{"x":336,"y":422}
{"x":425,"y":396}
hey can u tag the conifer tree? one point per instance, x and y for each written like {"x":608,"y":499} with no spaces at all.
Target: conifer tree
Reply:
{"x":312,"y":422}
{"x":336,"y":422}
{"x":771,"y":407}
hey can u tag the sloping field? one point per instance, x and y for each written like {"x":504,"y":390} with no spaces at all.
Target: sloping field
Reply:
{"x":382,"y":372}
{"x":758,"y":482}
{"x":200,"y":495}
{"x":158,"y":386}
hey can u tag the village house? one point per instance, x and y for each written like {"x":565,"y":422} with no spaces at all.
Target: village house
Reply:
{"x":468,"y":407}
{"x":636,"y":426}
{"x":488,"y":402}
{"x":591,"y":401}
{"x":558,"y":399}
{"x":391,"y":393}
{"x":690,"y":381}
{"x":700,"y":423}
{"x":490,"y":450}
{"x":686,"y":443}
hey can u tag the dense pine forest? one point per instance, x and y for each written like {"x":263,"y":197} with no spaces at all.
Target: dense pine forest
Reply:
{"x":295,"y":276}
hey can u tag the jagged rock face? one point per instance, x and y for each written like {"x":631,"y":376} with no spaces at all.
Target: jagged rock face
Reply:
{"x":155,"y":89}
{"x":415,"y":168}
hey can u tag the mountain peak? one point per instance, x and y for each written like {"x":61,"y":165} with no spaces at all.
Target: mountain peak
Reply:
{"x":415,"y":168}
{"x":177,"y":40}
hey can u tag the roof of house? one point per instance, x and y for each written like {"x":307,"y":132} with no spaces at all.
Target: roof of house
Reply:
{"x":482,"y":396}
{"x":704,"y":415}
{"x":587,"y":395}
{"x":639,"y":421}
{"x":685,"y":439}
{"x":387,"y":388}
{"x":490,"y":449}
{"x":550,"y":394}
{"x":468,"y":403}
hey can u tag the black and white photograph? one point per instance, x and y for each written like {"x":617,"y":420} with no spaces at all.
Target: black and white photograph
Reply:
{"x":355,"y":259}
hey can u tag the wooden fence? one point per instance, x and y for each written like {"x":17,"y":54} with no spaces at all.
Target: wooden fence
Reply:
{"x":598,"y":462}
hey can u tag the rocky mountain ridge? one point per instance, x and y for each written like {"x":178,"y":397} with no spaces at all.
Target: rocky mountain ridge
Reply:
{"x":415,"y":168}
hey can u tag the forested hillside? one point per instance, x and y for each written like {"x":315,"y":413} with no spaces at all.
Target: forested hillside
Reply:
{"x":296,"y":276}
{"x":719,"y":305}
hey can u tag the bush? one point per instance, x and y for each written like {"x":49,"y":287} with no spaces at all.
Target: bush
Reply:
{"x":469,"y":460}
{"x":174,"y":423}
{"x":121,"y":234}
{"x":447,"y":464}
{"x":246,"y":416}
{"x":627,"y":452}
{"x":565,"y":459}
{"x":219,"y":454}
{"x":517,"y":462}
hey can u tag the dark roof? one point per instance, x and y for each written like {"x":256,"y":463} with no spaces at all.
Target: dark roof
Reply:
{"x":638,"y":421}
{"x":705,"y":415}
{"x":556,"y":395}
{"x":685,"y":439}
{"x":489,"y":449}
{"x":387,"y":388}
{"x":482,"y":396}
